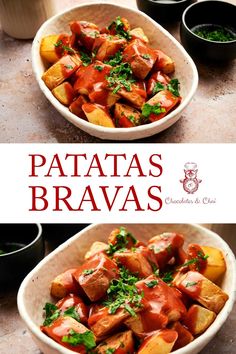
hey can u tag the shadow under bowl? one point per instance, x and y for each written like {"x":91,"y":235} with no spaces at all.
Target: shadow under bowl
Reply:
{"x":164,"y":11}
{"x":21,"y":248}
{"x":210,"y":12}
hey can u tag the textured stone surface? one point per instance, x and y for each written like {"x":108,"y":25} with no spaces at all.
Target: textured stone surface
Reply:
{"x":26,"y":115}
{"x":15,"y":338}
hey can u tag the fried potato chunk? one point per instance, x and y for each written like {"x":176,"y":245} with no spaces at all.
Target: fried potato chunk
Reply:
{"x":75,"y":301}
{"x":52,"y":47}
{"x":98,"y":115}
{"x":76,"y":106}
{"x":64,"y":284}
{"x":184,"y":336}
{"x":62,"y":327}
{"x":160,"y":342}
{"x":64,"y":93}
{"x":164,"y":305}
{"x":201,"y":289}
{"x":102,"y":323}
{"x":198,"y":319}
{"x":164,"y":63}
{"x":118,"y":343}
{"x":163,"y":102}
{"x":85,"y":32}
{"x":138,"y":33}
{"x":126,"y":116}
{"x":96,"y":247}
{"x":135,"y":261}
{"x":157,"y":82}
{"x":89,"y":75}
{"x":94,"y":276}
{"x":102,"y":96}
{"x":105,"y":46}
{"x":165,"y":246}
{"x":137,"y":94}
{"x":215,"y":266}
{"x":60,"y":71}
{"x":140,"y":57}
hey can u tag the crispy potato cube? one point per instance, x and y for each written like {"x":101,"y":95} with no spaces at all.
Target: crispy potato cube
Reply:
{"x":76,"y":106}
{"x":184,"y":336}
{"x":198,"y":319}
{"x":75,"y":301}
{"x":98,"y":115}
{"x":60,"y":71}
{"x":51,"y":47}
{"x":163,"y":303}
{"x":61,"y":327}
{"x":64,"y":284}
{"x":166,"y":102}
{"x":122,"y":235}
{"x":153,"y":84}
{"x":137,"y":33}
{"x":96,"y":247}
{"x":123,"y":342}
{"x":196,"y":253}
{"x":164,"y":63}
{"x":201,"y":289}
{"x":120,"y":23}
{"x":135,"y":261}
{"x":146,"y":322}
{"x":160,"y":342}
{"x":103,"y":323}
{"x":140,"y":57}
{"x":126,"y":116}
{"x":106,"y":46}
{"x":102,"y":96}
{"x":87,"y":76}
{"x":165,"y":246}
{"x":136,"y":96}
{"x":216,"y":266}
{"x":64,"y":93}
{"x":94,"y":276}
{"x":86,"y":32}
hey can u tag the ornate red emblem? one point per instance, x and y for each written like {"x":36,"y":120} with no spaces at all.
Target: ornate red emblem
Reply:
{"x":190,"y":181}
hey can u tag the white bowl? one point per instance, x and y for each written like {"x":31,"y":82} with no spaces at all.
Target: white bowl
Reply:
{"x":34,"y":290}
{"x":102,"y":14}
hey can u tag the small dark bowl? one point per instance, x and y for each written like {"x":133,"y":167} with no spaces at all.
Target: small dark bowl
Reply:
{"x":19,"y":261}
{"x":164,"y":11}
{"x":211,"y":12}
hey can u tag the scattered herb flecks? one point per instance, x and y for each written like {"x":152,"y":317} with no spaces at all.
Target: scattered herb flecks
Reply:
{"x":123,"y":293}
{"x":119,"y":27}
{"x":86,"y":338}
{"x":122,"y":240}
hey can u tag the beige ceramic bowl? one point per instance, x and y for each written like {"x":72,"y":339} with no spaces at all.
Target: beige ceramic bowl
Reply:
{"x":102,"y":14}
{"x":34,"y":291}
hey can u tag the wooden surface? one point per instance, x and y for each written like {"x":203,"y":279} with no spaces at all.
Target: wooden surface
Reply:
{"x":15,"y":338}
{"x":26,"y":115}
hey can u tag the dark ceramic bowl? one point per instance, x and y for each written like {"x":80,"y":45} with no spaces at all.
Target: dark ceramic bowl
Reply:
{"x":164,"y":11}
{"x":216,"y":13}
{"x":21,"y":248}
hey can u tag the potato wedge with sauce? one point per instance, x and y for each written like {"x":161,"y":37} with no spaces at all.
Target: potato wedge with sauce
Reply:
{"x":64,"y":284}
{"x":201,"y":289}
{"x":118,"y":343}
{"x":98,"y":115}
{"x":216,"y":266}
{"x":160,"y":342}
{"x":198,"y":319}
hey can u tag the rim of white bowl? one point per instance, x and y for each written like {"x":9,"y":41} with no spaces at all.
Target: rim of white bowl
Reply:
{"x":209,"y":333}
{"x":113,"y":131}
